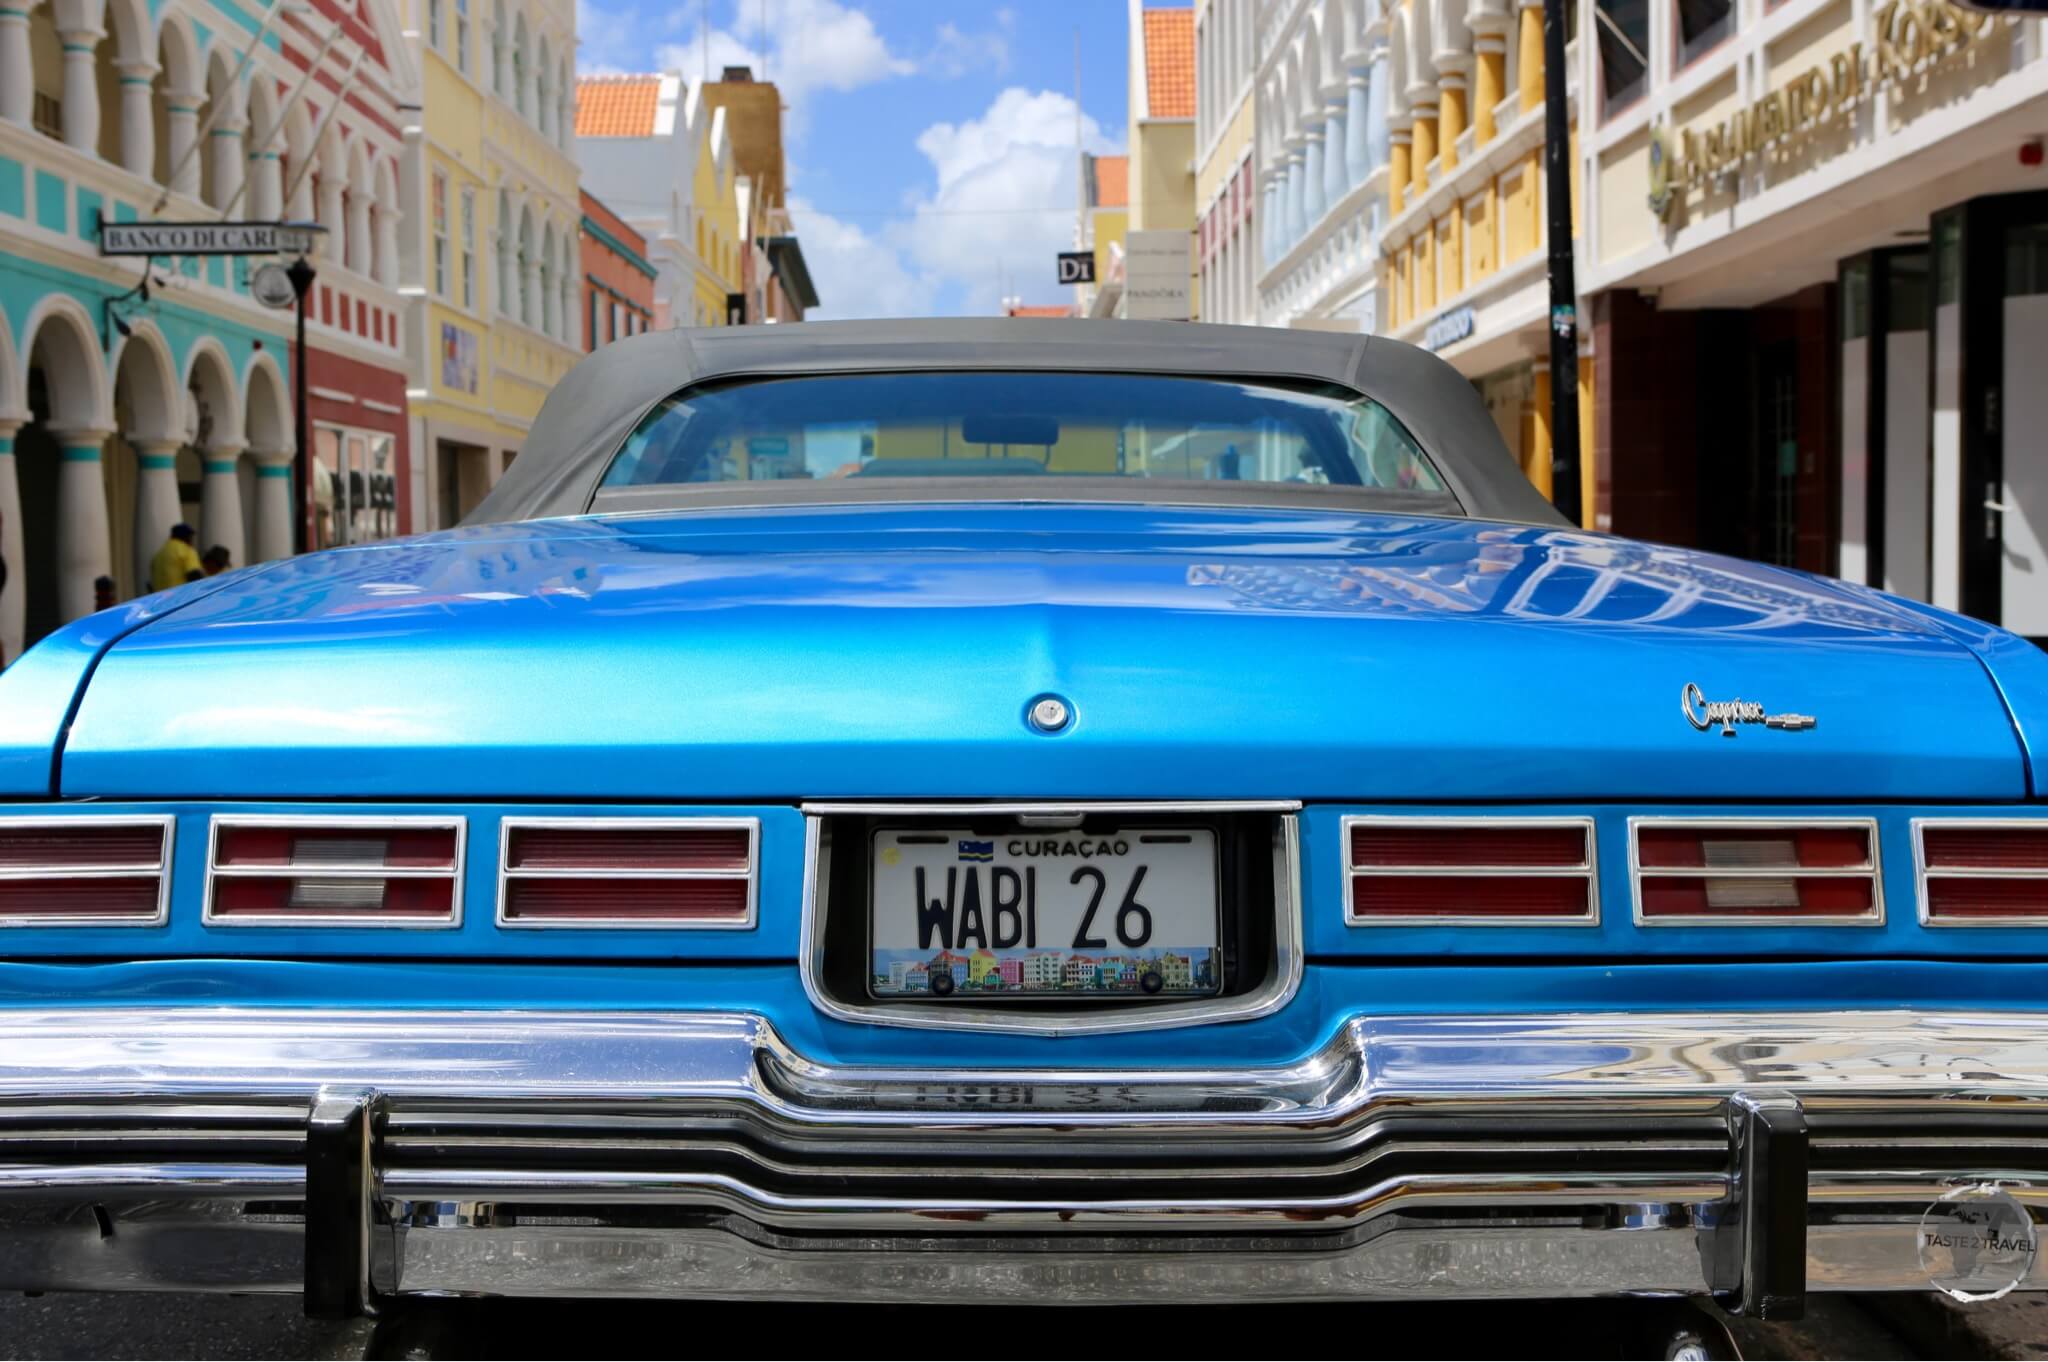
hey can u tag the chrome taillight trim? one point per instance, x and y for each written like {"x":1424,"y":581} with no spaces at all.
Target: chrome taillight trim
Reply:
{"x":1587,"y":869}
{"x":751,"y":873}
{"x":1922,"y":873}
{"x":1872,"y":869}
{"x":164,"y":823}
{"x":216,"y":872}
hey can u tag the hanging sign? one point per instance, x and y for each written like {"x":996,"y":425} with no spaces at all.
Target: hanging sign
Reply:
{"x":206,"y":238}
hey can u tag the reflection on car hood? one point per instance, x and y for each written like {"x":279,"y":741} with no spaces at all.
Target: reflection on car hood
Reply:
{"x":893,"y":650}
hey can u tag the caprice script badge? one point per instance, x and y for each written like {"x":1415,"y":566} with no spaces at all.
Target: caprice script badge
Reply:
{"x":1705,"y":714}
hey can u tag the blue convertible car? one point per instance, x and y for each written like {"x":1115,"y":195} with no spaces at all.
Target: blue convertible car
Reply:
{"x":1039,"y":811}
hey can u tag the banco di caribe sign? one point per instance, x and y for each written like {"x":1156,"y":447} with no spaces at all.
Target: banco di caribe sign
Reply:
{"x":204,"y":238}
{"x":1908,"y":35}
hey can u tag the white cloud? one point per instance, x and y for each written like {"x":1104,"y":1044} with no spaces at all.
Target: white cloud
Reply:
{"x":1005,"y":199}
{"x":955,"y":53}
{"x":857,"y":275}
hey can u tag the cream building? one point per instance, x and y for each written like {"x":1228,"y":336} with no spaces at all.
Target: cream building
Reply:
{"x":491,"y":246}
{"x":1226,"y":232}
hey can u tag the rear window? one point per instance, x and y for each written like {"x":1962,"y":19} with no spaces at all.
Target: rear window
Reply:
{"x":1023,"y":426}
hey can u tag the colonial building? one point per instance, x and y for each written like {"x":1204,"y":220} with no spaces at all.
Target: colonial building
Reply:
{"x":659,"y":154}
{"x":1158,"y":259}
{"x":490,"y":250}
{"x":357,"y":371}
{"x":1401,"y":165}
{"x":1226,"y":256}
{"x":618,"y":281}
{"x":135,"y":394}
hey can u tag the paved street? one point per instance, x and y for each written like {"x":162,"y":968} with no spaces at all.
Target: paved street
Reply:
{"x":1835,"y":1327}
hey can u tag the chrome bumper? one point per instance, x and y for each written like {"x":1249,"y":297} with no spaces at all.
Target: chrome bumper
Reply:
{"x":356,"y":1156}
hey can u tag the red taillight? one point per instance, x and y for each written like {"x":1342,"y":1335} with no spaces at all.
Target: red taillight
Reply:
{"x":627,"y":872}
{"x":361,"y":872}
{"x":1983,"y":874}
{"x":1704,"y":871}
{"x":83,"y":870}
{"x":1448,"y":870}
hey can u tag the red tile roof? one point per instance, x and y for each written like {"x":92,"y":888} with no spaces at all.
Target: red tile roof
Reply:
{"x":616,"y":106}
{"x":1170,"y":62}
{"x":1112,"y":181}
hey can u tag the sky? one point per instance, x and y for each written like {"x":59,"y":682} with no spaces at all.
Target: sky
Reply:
{"x":930,"y":143}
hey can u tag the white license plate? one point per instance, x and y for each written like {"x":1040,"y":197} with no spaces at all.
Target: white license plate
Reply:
{"x":1044,"y":914}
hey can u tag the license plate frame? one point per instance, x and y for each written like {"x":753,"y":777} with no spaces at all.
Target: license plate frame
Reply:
{"x":1214,"y":955}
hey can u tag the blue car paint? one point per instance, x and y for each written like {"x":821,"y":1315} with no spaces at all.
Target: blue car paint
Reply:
{"x":1330,"y":994}
{"x":38,"y":691}
{"x":889,"y":651}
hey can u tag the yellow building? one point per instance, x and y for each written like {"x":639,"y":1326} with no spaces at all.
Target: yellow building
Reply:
{"x":493,"y":215}
{"x":1463,"y":257}
{"x":715,"y":192}
{"x":1105,"y":189}
{"x":1157,"y":274}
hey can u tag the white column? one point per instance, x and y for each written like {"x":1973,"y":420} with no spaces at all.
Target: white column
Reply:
{"x":220,"y":503}
{"x":357,"y":248}
{"x":17,"y":93}
{"x":385,"y":266}
{"x":529,"y":291}
{"x":1357,"y":123}
{"x":1312,"y":204}
{"x":273,"y":506}
{"x":266,"y":185}
{"x":81,"y":108}
{"x":156,"y":500}
{"x":13,"y":595}
{"x":330,"y":216}
{"x":1336,"y":134}
{"x":300,"y":209}
{"x":1377,"y":137}
{"x":504,"y":286}
{"x":228,"y":160}
{"x":84,"y":551}
{"x":138,"y":122}
{"x":182,"y":118}
{"x":1296,"y":205}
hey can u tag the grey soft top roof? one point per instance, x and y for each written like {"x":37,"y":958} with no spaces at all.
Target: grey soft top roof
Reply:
{"x":591,"y":411}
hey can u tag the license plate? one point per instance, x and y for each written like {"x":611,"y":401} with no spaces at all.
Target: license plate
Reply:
{"x":1128,"y":913}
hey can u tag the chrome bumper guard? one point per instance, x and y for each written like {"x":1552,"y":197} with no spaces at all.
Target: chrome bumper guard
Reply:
{"x":358,"y":1157}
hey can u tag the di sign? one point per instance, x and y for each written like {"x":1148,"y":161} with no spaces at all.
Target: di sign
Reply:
{"x":1077,"y":267}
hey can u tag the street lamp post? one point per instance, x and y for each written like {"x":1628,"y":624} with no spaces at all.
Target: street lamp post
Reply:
{"x":1564,"y":303}
{"x":302,"y":274}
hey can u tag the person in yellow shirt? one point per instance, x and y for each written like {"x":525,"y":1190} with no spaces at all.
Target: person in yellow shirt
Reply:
{"x":177,"y":562}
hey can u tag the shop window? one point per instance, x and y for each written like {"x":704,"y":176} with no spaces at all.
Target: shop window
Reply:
{"x":1702,"y":24}
{"x":1856,"y":300}
{"x":1948,"y":258}
{"x":440,"y":223}
{"x":468,"y":247}
{"x":1906,"y":292}
{"x":2026,"y":260}
{"x":1623,"y":30}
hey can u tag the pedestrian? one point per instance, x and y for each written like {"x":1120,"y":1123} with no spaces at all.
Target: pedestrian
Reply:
{"x":103,"y":593}
{"x":177,"y":562}
{"x":217,"y":560}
